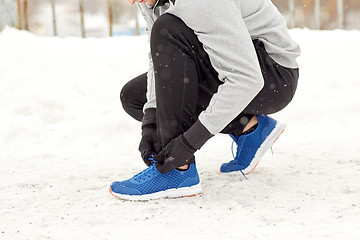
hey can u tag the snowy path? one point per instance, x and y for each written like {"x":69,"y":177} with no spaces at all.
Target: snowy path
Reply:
{"x":64,"y":138}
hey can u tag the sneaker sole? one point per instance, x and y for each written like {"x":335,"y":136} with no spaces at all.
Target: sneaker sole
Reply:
{"x":169,"y":193}
{"x":270,"y":140}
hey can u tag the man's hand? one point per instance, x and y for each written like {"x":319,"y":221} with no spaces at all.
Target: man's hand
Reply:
{"x":178,"y":152}
{"x":149,"y":144}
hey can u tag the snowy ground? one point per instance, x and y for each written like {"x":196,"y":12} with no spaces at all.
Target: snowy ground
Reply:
{"x":64,"y":138}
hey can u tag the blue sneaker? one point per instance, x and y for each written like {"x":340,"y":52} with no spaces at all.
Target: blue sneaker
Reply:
{"x":151,"y":184}
{"x":251,"y":147}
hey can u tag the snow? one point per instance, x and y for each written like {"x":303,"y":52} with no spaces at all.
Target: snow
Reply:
{"x":64,"y":138}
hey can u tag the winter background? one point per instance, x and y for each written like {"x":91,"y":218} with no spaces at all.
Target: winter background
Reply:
{"x":64,"y":138}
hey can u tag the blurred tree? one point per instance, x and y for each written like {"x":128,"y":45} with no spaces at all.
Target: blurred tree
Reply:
{"x":8,"y":16}
{"x":329,"y":17}
{"x":96,"y":15}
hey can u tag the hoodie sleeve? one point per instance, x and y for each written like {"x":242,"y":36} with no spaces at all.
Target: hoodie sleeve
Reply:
{"x":223,"y":33}
{"x":150,"y":93}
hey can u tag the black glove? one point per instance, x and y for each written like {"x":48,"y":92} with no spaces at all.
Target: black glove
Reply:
{"x":180,"y":150}
{"x":149,"y":144}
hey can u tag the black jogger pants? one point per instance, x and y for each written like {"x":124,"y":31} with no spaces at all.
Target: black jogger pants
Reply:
{"x":185,"y":81}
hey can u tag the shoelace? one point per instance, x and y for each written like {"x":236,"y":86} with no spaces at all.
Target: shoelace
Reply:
{"x":232,"y":152}
{"x":151,"y":158}
{"x":145,"y":173}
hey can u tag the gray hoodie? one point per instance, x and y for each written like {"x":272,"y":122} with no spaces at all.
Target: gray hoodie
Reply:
{"x":226,"y":29}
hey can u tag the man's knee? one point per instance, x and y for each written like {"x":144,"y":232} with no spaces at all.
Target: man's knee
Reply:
{"x":165,"y":24}
{"x":125,"y":96}
{"x":169,"y":31}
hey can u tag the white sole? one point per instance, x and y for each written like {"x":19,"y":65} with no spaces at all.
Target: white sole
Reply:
{"x":269,"y":141}
{"x":169,"y":193}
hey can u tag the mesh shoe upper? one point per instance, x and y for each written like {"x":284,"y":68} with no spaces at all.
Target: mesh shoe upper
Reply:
{"x":248,"y":145}
{"x":151,"y":181}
